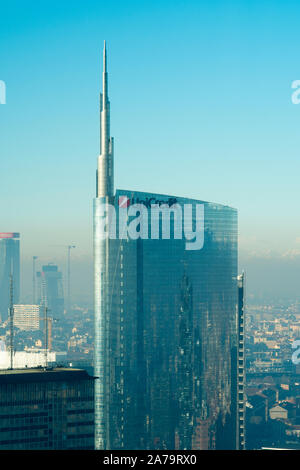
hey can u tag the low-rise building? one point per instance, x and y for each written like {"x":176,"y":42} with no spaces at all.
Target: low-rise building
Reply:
{"x":46,"y":409}
{"x":278,"y":412}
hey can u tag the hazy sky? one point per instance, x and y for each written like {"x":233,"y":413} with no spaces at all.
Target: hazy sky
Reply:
{"x":200,"y":106}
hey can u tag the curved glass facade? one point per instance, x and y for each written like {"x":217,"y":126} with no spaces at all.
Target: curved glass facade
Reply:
{"x":166,"y":335}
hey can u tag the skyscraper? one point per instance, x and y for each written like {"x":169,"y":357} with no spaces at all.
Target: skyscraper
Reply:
{"x":50,"y":290}
{"x":165,"y":319}
{"x":104,"y":195}
{"x":9,"y":264}
{"x":241,"y":363}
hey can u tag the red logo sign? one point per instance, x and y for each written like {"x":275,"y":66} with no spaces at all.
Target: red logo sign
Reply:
{"x":9,"y":235}
{"x":124,"y":201}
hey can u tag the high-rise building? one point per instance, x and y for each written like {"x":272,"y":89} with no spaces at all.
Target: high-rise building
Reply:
{"x":241,"y":422}
{"x":27,"y":317}
{"x":50,"y":290}
{"x":166,"y":341}
{"x":9,"y":265}
{"x":46,"y":409}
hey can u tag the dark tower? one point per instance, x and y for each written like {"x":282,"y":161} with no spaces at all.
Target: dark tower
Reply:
{"x":9,"y":265}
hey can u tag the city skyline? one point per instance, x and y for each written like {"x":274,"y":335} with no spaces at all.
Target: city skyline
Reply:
{"x":237,"y":127}
{"x":149,"y":282}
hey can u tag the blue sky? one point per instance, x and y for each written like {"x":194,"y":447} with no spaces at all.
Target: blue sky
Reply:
{"x":201,"y":107}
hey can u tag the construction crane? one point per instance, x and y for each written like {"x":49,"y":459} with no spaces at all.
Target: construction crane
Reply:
{"x":46,"y":335}
{"x":34,"y":258}
{"x":47,"y":323}
{"x":11,"y":319}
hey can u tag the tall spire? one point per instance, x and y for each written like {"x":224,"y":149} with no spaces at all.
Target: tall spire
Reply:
{"x":105,"y":183}
{"x":104,"y":197}
{"x":105,"y":90}
{"x":104,"y":58}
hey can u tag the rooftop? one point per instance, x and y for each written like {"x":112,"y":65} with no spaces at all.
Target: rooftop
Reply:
{"x":40,"y":374}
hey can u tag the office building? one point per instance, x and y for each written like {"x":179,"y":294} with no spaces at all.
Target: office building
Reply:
{"x":241,"y":423}
{"x":46,"y":409}
{"x":9,"y":265}
{"x":27,"y":317}
{"x":50,"y":290}
{"x":166,"y":342}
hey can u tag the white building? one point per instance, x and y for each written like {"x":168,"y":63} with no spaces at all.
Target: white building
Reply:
{"x":278,"y":412}
{"x":23,"y":359}
{"x":27,"y":317}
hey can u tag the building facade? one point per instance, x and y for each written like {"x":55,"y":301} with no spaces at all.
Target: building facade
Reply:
{"x":241,"y":422}
{"x":9,"y":265}
{"x":171,"y":332}
{"x":46,"y":409}
{"x":166,"y":342}
{"x":27,"y":317}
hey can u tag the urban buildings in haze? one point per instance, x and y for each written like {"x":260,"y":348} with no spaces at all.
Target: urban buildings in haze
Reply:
{"x":50,"y":290}
{"x":9,"y":265}
{"x":166,"y":338}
